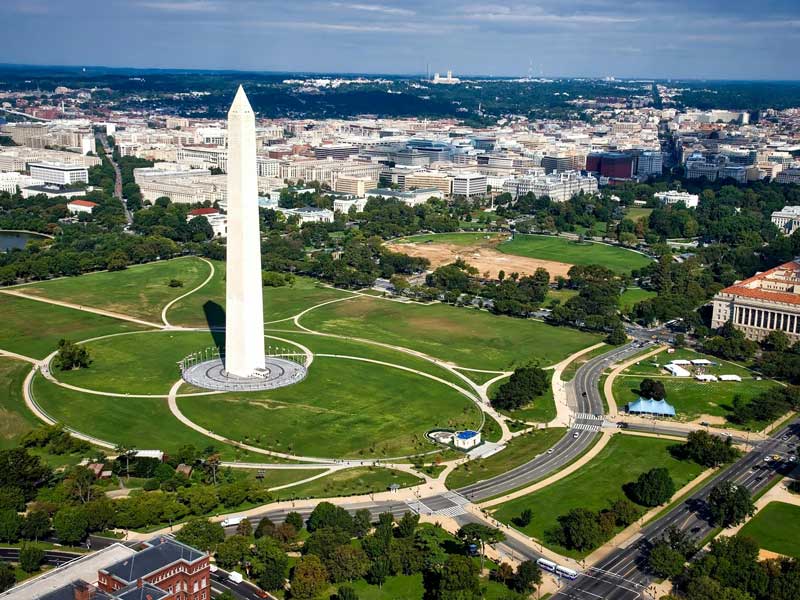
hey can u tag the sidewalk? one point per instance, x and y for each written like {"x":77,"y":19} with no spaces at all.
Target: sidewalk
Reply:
{"x":563,"y":411}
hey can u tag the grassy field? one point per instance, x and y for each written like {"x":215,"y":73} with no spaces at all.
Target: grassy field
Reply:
{"x":458,"y":239}
{"x":140,"y":363}
{"x":347,"y":482}
{"x":692,"y":398}
{"x":143,"y":423}
{"x":15,"y":418}
{"x":343,"y":408}
{"x":541,"y":410}
{"x":634,"y":214}
{"x":776,"y":528}
{"x":140,"y":291}
{"x":558,"y":295}
{"x":597,"y":484}
{"x":33,"y":328}
{"x":205,"y":307}
{"x":632,"y":296}
{"x":518,"y":451}
{"x":564,"y":250}
{"x":465,"y":337}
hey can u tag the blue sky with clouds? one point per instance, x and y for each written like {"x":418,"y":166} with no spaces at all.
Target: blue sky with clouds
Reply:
{"x":731,"y":39}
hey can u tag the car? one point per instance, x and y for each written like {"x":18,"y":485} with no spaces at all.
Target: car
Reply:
{"x":705,"y":424}
{"x":759,"y":478}
{"x":583,"y":394}
{"x":792,"y":458}
{"x":785,"y":438}
{"x":576,"y":434}
{"x":551,"y":450}
{"x":767,"y":458}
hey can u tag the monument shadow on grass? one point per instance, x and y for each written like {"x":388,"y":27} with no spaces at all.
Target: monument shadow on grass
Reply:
{"x":215,"y":318}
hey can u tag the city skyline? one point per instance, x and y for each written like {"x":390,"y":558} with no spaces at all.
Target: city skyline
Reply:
{"x":579,"y":38}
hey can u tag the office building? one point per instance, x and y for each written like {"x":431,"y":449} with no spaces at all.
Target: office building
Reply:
{"x":766,"y":302}
{"x":9,"y":182}
{"x":59,"y":173}
{"x":787,"y":219}
{"x":357,"y":186}
{"x":558,"y":188}
{"x":469,"y":184}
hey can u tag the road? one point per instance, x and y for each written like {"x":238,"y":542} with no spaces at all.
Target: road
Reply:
{"x":117,"y":176}
{"x":623,"y":576}
{"x":568,"y":448}
{"x":53,"y":558}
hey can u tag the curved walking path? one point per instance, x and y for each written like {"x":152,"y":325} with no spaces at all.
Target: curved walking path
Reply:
{"x":169,"y":304}
{"x":608,"y":386}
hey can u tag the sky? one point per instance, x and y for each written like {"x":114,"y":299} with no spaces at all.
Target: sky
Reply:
{"x":716,"y":39}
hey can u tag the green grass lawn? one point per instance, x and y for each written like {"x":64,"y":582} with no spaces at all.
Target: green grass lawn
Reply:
{"x":776,"y":528}
{"x":560,"y":295}
{"x":33,"y":328}
{"x":568,"y":374}
{"x":692,"y":398}
{"x":278,"y":477}
{"x":466,"y":337}
{"x":206,"y":306}
{"x":349,"y":482}
{"x":518,"y":451}
{"x":15,"y":418}
{"x":597,"y":484}
{"x":140,"y":363}
{"x":143,"y":423}
{"x":634,"y":214}
{"x":458,"y":239}
{"x":567,"y":251}
{"x":632,"y":296}
{"x":541,"y":410}
{"x":343,"y":408}
{"x":140,"y":291}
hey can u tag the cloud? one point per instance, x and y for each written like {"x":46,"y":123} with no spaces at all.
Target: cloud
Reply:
{"x":375,"y":8}
{"x":189,"y":6}
{"x":347,"y":27}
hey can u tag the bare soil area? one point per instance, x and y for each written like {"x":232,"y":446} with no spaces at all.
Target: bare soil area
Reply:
{"x":483,"y":256}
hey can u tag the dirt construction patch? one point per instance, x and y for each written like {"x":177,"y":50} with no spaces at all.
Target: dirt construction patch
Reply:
{"x":483,"y":256}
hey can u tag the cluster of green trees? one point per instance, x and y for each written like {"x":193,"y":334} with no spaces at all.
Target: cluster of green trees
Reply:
{"x":766,"y":407}
{"x":595,"y":307}
{"x":167,"y":219}
{"x":522,"y":388}
{"x":592,"y":213}
{"x":71,"y":356}
{"x":652,"y":488}
{"x":584,"y":529}
{"x":706,"y":449}
{"x":72,"y":502}
{"x":730,"y":570}
{"x":340,"y":549}
{"x":652,"y":389}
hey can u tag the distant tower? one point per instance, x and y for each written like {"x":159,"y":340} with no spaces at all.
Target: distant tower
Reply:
{"x":244,"y":310}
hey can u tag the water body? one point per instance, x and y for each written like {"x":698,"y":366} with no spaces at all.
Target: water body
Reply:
{"x":11,"y":240}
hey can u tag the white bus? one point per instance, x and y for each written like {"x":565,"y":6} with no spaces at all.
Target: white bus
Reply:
{"x":547,"y":565}
{"x":566,"y":573}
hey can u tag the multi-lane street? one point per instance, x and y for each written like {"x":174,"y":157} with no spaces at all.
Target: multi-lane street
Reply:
{"x":623,"y":576}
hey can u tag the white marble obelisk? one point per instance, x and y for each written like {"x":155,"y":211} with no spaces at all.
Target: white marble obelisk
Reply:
{"x":244,"y":314}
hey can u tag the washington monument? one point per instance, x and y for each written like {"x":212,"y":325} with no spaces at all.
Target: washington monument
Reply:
{"x":244,"y":313}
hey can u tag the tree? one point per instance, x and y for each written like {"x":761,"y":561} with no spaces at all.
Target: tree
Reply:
{"x":71,"y":356}
{"x":579,"y":529}
{"x":362,"y":523}
{"x":524,"y":519}
{"x":30,"y":557}
{"x":269,"y":563}
{"x":244,"y":528}
{"x":459,"y":578}
{"x":295,"y":520}
{"x":231,"y":553}
{"x":653,"y":488}
{"x":7,"y":576}
{"x":346,"y":592}
{"x":12,"y":498}
{"x":650,"y":388}
{"x":326,"y":514}
{"x":201,"y":534}
{"x":71,"y":524}
{"x":308,"y":578}
{"x":323,"y":542}
{"x":407,"y":524}
{"x":730,"y":504}
{"x":525,"y":384}
{"x":23,"y":471}
{"x":625,"y":511}
{"x":617,"y":336}
{"x":480,"y":534}
{"x":379,"y":570}
{"x":707,"y":450}
{"x":527,"y":578}
{"x":10,"y":525}
{"x":347,"y":563}
{"x":663,"y":561}
{"x":265,"y":528}
{"x":36,"y":525}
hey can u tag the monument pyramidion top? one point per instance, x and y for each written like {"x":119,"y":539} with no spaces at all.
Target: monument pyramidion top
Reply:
{"x":240,"y":105}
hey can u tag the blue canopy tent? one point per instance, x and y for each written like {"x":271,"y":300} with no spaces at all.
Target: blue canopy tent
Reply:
{"x":648,"y":406}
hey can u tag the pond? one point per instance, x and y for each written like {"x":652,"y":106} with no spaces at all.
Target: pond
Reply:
{"x":10,"y":240}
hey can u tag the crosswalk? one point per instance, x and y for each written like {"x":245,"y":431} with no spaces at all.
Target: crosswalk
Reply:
{"x":588,"y":426}
{"x":449,"y":504}
{"x":589,"y":417}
